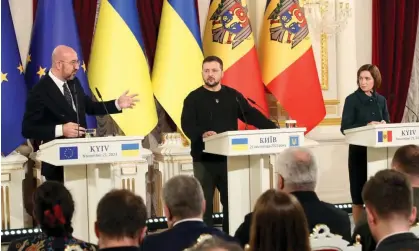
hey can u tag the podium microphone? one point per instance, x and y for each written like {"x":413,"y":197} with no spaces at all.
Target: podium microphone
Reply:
{"x":241,"y":110}
{"x":76,"y":104}
{"x":104,"y":106}
{"x":417,"y":117}
{"x":254,"y":102}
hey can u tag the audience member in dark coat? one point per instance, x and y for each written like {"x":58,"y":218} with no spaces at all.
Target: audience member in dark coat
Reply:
{"x":298,"y":175}
{"x":405,"y":160}
{"x":390,"y":213}
{"x":184,"y":207}
{"x":120,"y":221}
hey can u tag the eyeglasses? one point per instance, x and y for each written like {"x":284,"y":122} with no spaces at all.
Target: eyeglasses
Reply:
{"x":73,"y":63}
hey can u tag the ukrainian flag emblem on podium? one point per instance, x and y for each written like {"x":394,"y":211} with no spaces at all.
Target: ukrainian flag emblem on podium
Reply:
{"x":130,"y":150}
{"x":240,"y":144}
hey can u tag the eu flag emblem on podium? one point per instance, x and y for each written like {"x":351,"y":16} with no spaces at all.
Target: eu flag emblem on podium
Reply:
{"x":54,"y":25}
{"x":69,"y":153}
{"x":13,"y":88}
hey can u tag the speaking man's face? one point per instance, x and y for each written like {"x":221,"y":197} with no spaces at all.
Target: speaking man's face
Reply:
{"x":212,"y":73}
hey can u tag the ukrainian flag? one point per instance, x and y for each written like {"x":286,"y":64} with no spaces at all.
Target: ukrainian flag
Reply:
{"x":178,"y":60}
{"x":118,"y":63}
{"x":130,"y":150}
{"x":385,"y":136}
{"x":240,"y":144}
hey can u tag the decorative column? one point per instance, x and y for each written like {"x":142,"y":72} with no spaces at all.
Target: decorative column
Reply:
{"x":13,"y":213}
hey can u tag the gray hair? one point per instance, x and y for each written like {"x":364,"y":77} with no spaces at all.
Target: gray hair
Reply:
{"x":207,"y":242}
{"x":298,"y":168}
{"x":183,"y":196}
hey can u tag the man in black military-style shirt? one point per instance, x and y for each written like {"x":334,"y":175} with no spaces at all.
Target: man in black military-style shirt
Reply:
{"x":210,"y":109}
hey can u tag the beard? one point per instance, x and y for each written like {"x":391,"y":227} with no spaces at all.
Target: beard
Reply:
{"x":215,"y":83}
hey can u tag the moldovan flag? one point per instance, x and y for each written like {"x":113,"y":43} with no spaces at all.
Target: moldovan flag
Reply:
{"x":118,"y":63}
{"x":228,"y":35}
{"x":287,"y":62}
{"x":178,"y":60}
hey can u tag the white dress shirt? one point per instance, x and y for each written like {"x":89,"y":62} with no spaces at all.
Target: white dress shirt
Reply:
{"x":60,"y":85}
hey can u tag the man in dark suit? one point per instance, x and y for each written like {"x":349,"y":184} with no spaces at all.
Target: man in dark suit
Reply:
{"x":120,"y":221}
{"x":390,"y":212}
{"x":51,"y":105}
{"x":405,"y":160}
{"x":297,"y":174}
{"x":184,"y":208}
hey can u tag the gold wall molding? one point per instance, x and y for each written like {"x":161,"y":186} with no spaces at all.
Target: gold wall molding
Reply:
{"x":324,"y":122}
{"x":324,"y":62}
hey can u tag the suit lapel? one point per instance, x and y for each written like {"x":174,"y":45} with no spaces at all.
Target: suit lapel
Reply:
{"x":58,"y":98}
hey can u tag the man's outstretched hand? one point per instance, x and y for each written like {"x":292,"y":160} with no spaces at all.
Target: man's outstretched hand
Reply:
{"x":127,"y":101}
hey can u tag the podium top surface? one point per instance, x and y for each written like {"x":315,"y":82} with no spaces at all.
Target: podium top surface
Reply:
{"x":381,"y":127}
{"x":255,"y":132}
{"x":91,"y":140}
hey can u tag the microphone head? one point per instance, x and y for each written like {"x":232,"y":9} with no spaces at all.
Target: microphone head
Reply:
{"x":98,"y":93}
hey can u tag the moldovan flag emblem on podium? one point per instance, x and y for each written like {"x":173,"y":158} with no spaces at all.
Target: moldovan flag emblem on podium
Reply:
{"x":118,"y":63}
{"x":228,"y":35}
{"x":287,"y":62}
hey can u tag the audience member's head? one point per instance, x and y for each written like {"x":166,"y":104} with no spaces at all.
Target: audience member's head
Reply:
{"x":406,"y":160}
{"x":278,"y":223}
{"x":389,"y":203}
{"x":183,"y":198}
{"x":213,"y":243}
{"x":297,"y":170}
{"x":121,"y":219}
{"x":53,"y":208}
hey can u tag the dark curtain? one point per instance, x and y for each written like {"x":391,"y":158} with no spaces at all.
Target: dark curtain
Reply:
{"x":394,"y":36}
{"x":85,"y":13}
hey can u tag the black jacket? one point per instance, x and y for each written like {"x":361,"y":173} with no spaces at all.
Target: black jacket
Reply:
{"x":204,"y":110}
{"x":360,"y":109}
{"x":46,"y":107}
{"x":181,"y":236}
{"x":398,"y":242}
{"x":317,"y":212}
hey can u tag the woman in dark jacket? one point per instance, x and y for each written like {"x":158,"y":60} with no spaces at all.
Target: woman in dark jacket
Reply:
{"x":363,"y":107}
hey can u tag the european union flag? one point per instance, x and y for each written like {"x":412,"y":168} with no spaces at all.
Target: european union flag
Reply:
{"x":54,"y":25}
{"x":69,"y":153}
{"x":13,"y":88}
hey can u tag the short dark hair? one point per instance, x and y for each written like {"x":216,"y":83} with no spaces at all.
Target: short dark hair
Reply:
{"x":213,"y":59}
{"x":121,"y":213}
{"x":389,"y":193}
{"x":183,"y":196}
{"x":51,"y":200}
{"x":375,"y":73}
{"x":407,"y":159}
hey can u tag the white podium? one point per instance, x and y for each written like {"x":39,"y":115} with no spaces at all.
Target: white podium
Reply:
{"x":94,"y":166}
{"x":382,"y":141}
{"x":248,"y":164}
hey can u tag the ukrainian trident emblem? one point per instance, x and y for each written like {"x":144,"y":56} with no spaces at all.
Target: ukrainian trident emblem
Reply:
{"x":230,"y":18}
{"x":287,"y":23}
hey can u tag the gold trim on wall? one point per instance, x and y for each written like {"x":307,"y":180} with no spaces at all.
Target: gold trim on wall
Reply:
{"x":324,"y":122}
{"x":324,"y":62}
{"x":332,"y":102}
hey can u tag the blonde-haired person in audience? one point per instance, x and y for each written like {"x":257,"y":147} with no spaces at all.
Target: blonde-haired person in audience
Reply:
{"x":212,"y":243}
{"x":296,"y":171}
{"x":53,"y":210}
{"x":279,"y":224}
